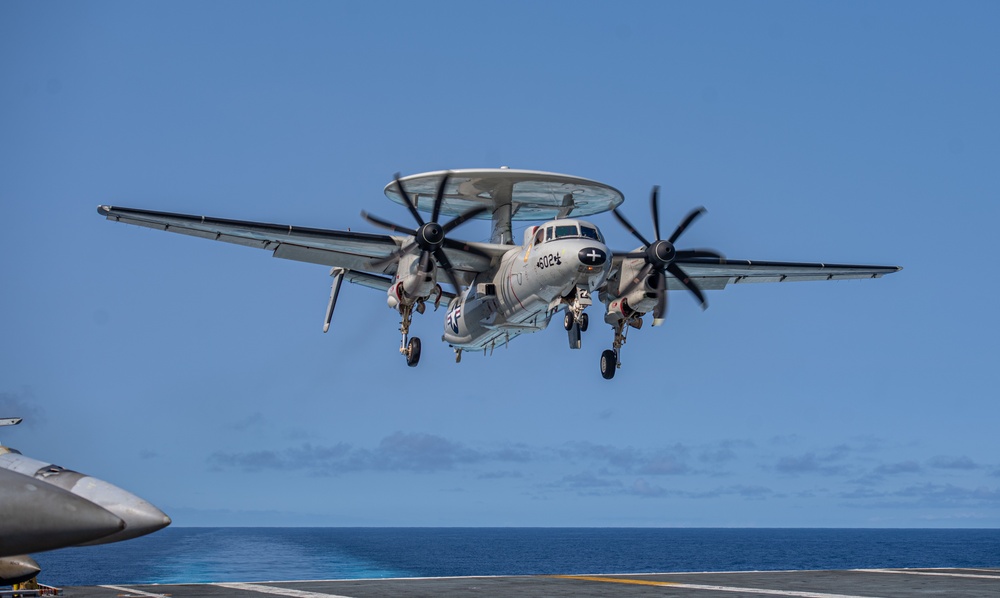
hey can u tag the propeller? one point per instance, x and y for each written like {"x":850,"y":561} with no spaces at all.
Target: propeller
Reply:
{"x":661,"y":257}
{"x":430,"y":236}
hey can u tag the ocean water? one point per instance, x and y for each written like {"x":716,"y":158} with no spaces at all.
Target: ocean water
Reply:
{"x":180,"y":555}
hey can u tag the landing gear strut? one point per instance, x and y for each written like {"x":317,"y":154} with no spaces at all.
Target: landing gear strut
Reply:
{"x":575,"y":321}
{"x":611,"y":358}
{"x":409,"y":347}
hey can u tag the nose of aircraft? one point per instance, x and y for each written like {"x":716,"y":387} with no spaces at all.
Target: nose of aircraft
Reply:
{"x":15,"y":569}
{"x":36,"y":516}
{"x":140,"y":516}
{"x":592,"y":256}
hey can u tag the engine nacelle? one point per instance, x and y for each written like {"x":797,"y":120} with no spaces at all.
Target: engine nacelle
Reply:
{"x":641,"y":299}
{"x":397,"y":294}
{"x":412,"y":284}
{"x":621,"y":309}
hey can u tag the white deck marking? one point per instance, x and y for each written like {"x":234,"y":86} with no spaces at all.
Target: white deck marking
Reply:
{"x":908,"y":572}
{"x":255,"y":587}
{"x":695,"y":586}
{"x":135,"y":591}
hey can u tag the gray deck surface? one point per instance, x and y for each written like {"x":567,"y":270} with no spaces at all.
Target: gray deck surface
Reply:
{"x":866,"y":583}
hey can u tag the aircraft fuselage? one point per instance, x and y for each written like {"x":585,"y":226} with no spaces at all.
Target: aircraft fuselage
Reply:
{"x":560,"y":264}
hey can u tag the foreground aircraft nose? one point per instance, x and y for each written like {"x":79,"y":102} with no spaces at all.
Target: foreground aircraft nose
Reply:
{"x":140,"y":516}
{"x":35,"y":516}
{"x":15,"y":569}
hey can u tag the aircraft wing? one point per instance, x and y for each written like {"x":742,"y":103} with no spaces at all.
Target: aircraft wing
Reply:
{"x":343,"y":249}
{"x":379,"y":283}
{"x":715,"y":275}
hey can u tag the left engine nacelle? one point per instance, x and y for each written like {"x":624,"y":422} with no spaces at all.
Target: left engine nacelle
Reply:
{"x":412,"y":283}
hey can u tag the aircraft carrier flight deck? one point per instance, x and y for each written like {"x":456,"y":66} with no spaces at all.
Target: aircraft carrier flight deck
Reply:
{"x":862,"y":583}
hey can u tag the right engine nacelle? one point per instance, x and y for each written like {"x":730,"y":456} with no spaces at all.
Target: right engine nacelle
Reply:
{"x":638,"y":300}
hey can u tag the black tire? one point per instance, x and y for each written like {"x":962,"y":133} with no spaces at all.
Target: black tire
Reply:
{"x":413,"y":352}
{"x":609,"y":363}
{"x":583,"y":322}
{"x":568,"y":321}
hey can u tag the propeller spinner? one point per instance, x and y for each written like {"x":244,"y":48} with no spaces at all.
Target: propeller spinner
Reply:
{"x":661,"y":257}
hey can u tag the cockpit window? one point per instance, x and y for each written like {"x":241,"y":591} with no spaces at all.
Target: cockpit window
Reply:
{"x":539,"y":236}
{"x":591,"y":233}
{"x":567,"y":230}
{"x":548,"y":234}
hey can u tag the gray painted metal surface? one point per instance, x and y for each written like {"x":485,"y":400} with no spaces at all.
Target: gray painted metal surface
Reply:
{"x":18,"y":568}
{"x":869,"y":583}
{"x":35,"y":516}
{"x":139,"y":515}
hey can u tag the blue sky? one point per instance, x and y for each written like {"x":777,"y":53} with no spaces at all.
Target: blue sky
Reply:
{"x":196,"y":375}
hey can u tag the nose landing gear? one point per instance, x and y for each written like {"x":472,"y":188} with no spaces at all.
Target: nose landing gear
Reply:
{"x":576,"y":321}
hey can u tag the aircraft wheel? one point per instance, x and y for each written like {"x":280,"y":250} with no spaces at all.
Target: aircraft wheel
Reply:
{"x":583,"y":322}
{"x":568,"y":321}
{"x":413,"y":352}
{"x":609,"y":363}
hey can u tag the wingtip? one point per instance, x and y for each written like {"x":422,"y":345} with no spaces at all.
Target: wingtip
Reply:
{"x":103,"y":210}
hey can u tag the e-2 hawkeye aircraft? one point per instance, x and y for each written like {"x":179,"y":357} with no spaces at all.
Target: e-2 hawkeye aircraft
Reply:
{"x":503,"y":290}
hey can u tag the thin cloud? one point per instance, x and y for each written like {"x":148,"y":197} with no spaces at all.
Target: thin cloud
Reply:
{"x":254,"y":420}
{"x":723,"y":452}
{"x":500,"y":475}
{"x":901,"y":467}
{"x":665,"y":463}
{"x":641,"y":487}
{"x":742,"y":490}
{"x":588,"y":484}
{"x":949,"y":462}
{"x":927,"y":495}
{"x":807,"y":463}
{"x":414,"y":452}
{"x":614,"y":460}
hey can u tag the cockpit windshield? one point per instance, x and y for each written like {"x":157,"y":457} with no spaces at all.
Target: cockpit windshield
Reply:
{"x":568,"y":231}
{"x":591,"y":233}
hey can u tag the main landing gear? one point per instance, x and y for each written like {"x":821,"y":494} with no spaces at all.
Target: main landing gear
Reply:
{"x":611,"y":358}
{"x":409,"y":347}
{"x":609,"y":363}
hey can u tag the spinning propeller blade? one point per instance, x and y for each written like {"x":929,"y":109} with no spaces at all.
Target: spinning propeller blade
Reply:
{"x":430,"y":236}
{"x":661,"y":257}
